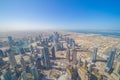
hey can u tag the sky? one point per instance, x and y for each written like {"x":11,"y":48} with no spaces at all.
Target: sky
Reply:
{"x":59,"y":14}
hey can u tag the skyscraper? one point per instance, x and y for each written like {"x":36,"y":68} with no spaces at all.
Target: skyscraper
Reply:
{"x":22,"y":63}
{"x":10,"y":40}
{"x":7,"y":74}
{"x":53,"y":52}
{"x":1,"y":53}
{"x":94,"y":54}
{"x":68,"y":54}
{"x":46,"y":57}
{"x":11,"y":57}
{"x":38,"y":63}
{"x":55,"y":37}
{"x":23,"y":75}
{"x":110,"y":61}
{"x":13,"y":77}
{"x":85,"y":64}
{"x":31,"y":60}
{"x":79,"y":62}
{"x":74,"y":55}
{"x":1,"y":61}
{"x":34,"y":72}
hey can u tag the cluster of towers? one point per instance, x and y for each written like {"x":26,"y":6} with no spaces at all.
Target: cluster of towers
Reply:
{"x":42,"y":60}
{"x":36,"y":61}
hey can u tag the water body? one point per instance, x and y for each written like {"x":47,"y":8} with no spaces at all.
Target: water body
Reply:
{"x":111,"y":33}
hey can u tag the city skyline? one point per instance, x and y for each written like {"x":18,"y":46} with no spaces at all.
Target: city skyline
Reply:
{"x":59,"y":14}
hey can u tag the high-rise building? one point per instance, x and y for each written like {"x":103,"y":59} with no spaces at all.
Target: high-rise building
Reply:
{"x":79,"y":62}
{"x":23,"y":75}
{"x":75,"y":75}
{"x":1,"y":62}
{"x":34,"y":72}
{"x":71,"y":43}
{"x":94,"y":54}
{"x":110,"y":62}
{"x":74,"y":55}
{"x":1,"y":53}
{"x":85,"y":64}
{"x":14,"y":77}
{"x":31,"y":60}
{"x":10,"y":40}
{"x":46,"y":57}
{"x":68,"y":54}
{"x":22,"y":63}
{"x":7,"y":74}
{"x":22,"y":51}
{"x":38,"y":63}
{"x":53,"y":52}
{"x":55,"y":37}
{"x":11,"y":57}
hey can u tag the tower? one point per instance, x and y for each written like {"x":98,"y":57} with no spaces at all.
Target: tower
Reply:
{"x":74,"y":55}
{"x":46,"y":57}
{"x":90,"y":68}
{"x":38,"y":62}
{"x":23,"y":75}
{"x":13,"y":77}
{"x":10,"y":40}
{"x":7,"y":74}
{"x":53,"y":52}
{"x":110,"y":62}
{"x":11,"y":57}
{"x":22,"y":63}
{"x":31,"y":60}
{"x":1,"y":53}
{"x":95,"y":54}
{"x":34,"y":72}
{"x":79,"y":62}
{"x":1,"y":61}
{"x":68,"y":54}
{"x":85,"y":64}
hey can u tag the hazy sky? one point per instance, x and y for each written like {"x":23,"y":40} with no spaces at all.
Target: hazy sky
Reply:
{"x":59,"y":14}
